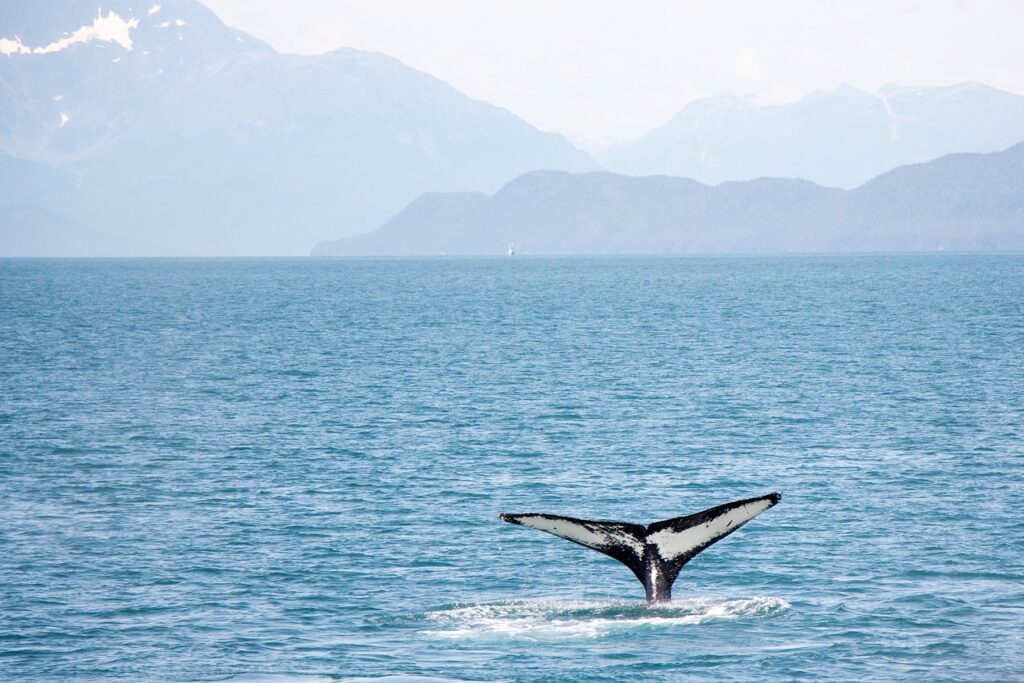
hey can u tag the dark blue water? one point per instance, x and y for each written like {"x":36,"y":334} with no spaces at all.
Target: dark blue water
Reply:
{"x":279,"y":469}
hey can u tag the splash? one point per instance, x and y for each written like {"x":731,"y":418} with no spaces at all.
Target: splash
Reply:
{"x":569,"y":620}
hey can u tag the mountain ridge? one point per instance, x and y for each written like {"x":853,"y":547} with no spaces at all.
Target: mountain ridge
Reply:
{"x":963,"y":201}
{"x":839,"y":138}
{"x":212,"y":143}
{"x":167,"y":124}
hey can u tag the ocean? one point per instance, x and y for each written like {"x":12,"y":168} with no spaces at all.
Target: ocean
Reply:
{"x":292,"y":470}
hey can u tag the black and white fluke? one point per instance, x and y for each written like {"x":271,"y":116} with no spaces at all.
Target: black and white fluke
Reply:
{"x":654,"y":553}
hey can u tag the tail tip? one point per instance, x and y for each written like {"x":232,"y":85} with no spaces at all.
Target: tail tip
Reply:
{"x":774,"y":497}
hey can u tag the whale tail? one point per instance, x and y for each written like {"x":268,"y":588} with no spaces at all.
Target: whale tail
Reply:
{"x":657,"y":552}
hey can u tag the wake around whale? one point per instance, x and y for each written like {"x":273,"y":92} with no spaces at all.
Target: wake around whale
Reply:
{"x":657,"y":552}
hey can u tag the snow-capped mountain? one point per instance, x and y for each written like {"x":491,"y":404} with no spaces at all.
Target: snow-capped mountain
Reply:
{"x":838,"y":138}
{"x":194,"y":138}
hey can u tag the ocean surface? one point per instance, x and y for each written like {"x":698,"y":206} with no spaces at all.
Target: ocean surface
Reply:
{"x":292,"y":470}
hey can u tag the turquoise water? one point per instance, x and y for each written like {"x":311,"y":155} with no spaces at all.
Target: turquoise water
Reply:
{"x":276,"y":470}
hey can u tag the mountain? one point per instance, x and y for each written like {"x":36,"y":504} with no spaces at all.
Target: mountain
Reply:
{"x":840,"y":138}
{"x":196,"y":138}
{"x":959,"y":202}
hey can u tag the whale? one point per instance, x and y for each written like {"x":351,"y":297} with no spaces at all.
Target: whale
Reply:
{"x":655,"y":553}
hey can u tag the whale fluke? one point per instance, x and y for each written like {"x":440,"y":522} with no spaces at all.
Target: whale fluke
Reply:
{"x":657,"y":552}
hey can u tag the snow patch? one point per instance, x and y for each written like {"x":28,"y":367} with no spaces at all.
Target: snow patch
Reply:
{"x":154,"y":9}
{"x":64,"y":118}
{"x":894,"y":133}
{"x":111,"y":28}
{"x":13,"y":47}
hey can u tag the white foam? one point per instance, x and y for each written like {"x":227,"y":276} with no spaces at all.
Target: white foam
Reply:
{"x":574,"y":620}
{"x":154,"y":9}
{"x":64,"y":118}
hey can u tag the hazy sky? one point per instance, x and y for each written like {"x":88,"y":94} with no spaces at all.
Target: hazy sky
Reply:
{"x":599,"y":70}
